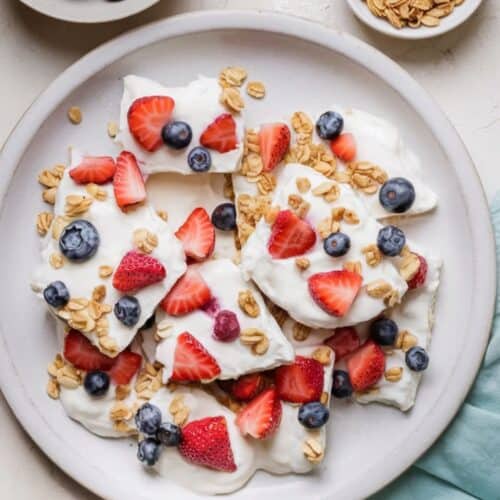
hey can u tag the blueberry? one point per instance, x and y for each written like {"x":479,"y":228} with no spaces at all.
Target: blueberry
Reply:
{"x":397,"y":195}
{"x":150,"y":322}
{"x":79,"y":240}
{"x":337,"y":244}
{"x":313,"y":415}
{"x":148,"y":419}
{"x":224,"y":217}
{"x":56,"y":294}
{"x":417,"y":359}
{"x":169,"y":434}
{"x":342,"y":387}
{"x":128,"y":310}
{"x":391,"y":240}
{"x":199,"y":159}
{"x":148,"y":451}
{"x":329,"y":125}
{"x":177,"y":135}
{"x":383,"y":331}
{"x":96,"y":383}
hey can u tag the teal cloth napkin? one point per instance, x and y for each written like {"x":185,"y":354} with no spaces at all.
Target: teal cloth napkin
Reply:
{"x":465,"y":461}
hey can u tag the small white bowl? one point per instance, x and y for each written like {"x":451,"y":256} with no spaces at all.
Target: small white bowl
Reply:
{"x":459,"y":15}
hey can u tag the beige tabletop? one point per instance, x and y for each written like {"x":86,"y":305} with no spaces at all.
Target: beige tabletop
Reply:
{"x":460,"y":70}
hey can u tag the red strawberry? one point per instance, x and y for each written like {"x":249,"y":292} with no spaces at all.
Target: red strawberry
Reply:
{"x":220,"y":134}
{"x":335,"y":291}
{"x":206,"y":442}
{"x":419,"y":279}
{"x":127,"y":364}
{"x":290,"y":236}
{"x":301,"y":382}
{"x":197,"y":235}
{"x":262,"y":416}
{"x":146,"y":118}
{"x":189,"y":293}
{"x":83,"y":355}
{"x":128,"y":182}
{"x":137,"y":270}
{"x":96,"y":169}
{"x":192,"y":362}
{"x":344,"y":341}
{"x":248,"y":386}
{"x":274,"y":139}
{"x":344,"y":147}
{"x":366,"y":366}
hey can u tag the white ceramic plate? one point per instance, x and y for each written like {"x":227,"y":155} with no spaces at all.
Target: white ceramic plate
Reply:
{"x":89,"y":11}
{"x":456,"y":18}
{"x":301,"y":63}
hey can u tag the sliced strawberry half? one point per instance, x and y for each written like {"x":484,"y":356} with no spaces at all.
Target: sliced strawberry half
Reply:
{"x":274,"y":140}
{"x":136,"y":271}
{"x":300,"y":382}
{"x":247,"y":386}
{"x":206,"y":442}
{"x":344,"y":147}
{"x":419,"y":279}
{"x":344,"y":341}
{"x":262,"y":416}
{"x":220,"y":135}
{"x":197,"y":235}
{"x":290,"y":236}
{"x":83,"y":355}
{"x":366,"y":366}
{"x":189,"y":293}
{"x":335,"y":291}
{"x":96,"y":169}
{"x":146,"y":118}
{"x":192,"y":362}
{"x":128,"y":183}
{"x":126,"y":365}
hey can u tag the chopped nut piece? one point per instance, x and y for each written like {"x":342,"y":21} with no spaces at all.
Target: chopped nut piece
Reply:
{"x":405,"y":341}
{"x":324,"y":398}
{"x":378,"y":289}
{"x":112,"y":129}
{"x":75,"y":115}
{"x":353,"y":266}
{"x":248,"y":304}
{"x":43,"y":222}
{"x":257,"y":90}
{"x":372,"y":255}
{"x":323,"y":355}
{"x":145,"y":240}
{"x":232,"y":99}
{"x":50,"y":178}
{"x":302,"y":263}
{"x":56,"y":260}
{"x":303,"y":184}
{"x":327,"y":226}
{"x":329,"y":190}
{"x":301,"y":123}
{"x":409,"y":266}
{"x":58,"y":225}
{"x":105,"y":271}
{"x":394,"y":374}
{"x":163,"y":329}
{"x":252,"y":166}
{"x":96,"y":191}
{"x":351,"y":217}
{"x":392,"y":298}
{"x":49,"y":195}
{"x":77,"y":304}
{"x":266,"y":183}
{"x":77,"y":204}
{"x":162,"y":214}
{"x":99,"y":293}
{"x":256,"y":339}
{"x":122,"y":392}
{"x":300,"y":332}
{"x":232,"y":76}
{"x":279,"y":314}
{"x":120,"y":411}
{"x":179,"y":410}
{"x":122,"y":426}
{"x":108,"y":345}
{"x":313,"y":450}
{"x":271,"y":214}
{"x":365,"y":176}
{"x":53,"y":388}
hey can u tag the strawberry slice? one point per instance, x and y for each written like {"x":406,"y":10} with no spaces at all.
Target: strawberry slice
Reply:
{"x":335,"y":291}
{"x":189,"y":293}
{"x":128,"y":182}
{"x":262,"y":416}
{"x":83,"y":355}
{"x":274,"y":139}
{"x":290,"y":236}
{"x":126,"y":365}
{"x":206,"y":442}
{"x":247,"y":386}
{"x":419,"y":279}
{"x":146,"y":118}
{"x":136,"y":271}
{"x":96,"y":169}
{"x":300,"y":382}
{"x":344,"y":341}
{"x":344,"y":147}
{"x":366,"y":366}
{"x":197,"y":235}
{"x":220,"y":134}
{"x":192,"y":362}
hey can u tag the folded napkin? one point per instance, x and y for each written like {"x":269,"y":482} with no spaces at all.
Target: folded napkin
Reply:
{"x":465,"y":461}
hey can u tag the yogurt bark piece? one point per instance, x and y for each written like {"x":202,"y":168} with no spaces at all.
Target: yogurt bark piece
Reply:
{"x":198,"y":105}
{"x":90,"y":282}
{"x":325,"y":206}
{"x":260,"y":345}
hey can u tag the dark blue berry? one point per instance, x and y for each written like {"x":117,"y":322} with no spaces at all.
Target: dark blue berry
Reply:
{"x":224,"y":217}
{"x":397,"y":195}
{"x":128,"y":310}
{"x":150,"y":322}
{"x":391,"y":240}
{"x":383,"y":331}
{"x":337,"y":244}
{"x":313,"y":415}
{"x":329,"y":125}
{"x":96,"y":383}
{"x":56,"y":294}
{"x":341,"y":387}
{"x":199,"y":159}
{"x":148,"y":419}
{"x":169,"y":434}
{"x":417,"y":359}
{"x":79,"y":240}
{"x":177,"y":135}
{"x":148,"y":451}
